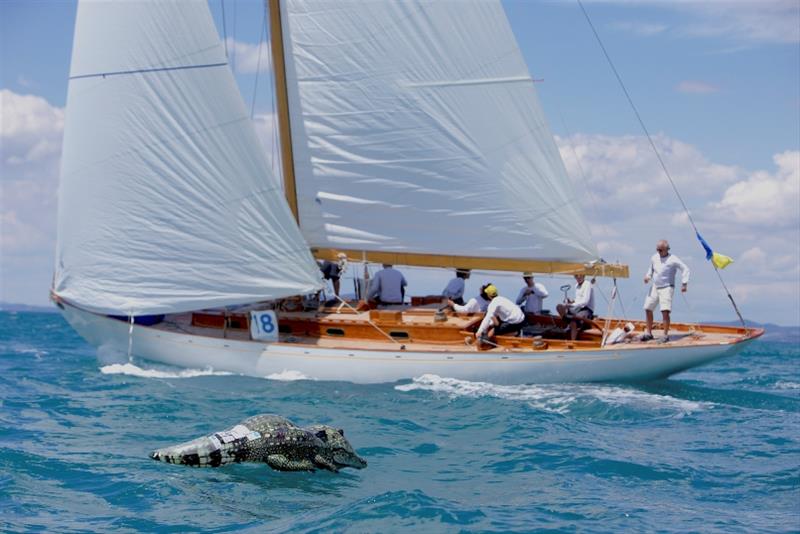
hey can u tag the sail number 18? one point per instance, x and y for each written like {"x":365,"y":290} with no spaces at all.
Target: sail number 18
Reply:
{"x":264,"y":325}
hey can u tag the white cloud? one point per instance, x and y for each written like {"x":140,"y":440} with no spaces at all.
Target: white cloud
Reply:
{"x":751,"y":215}
{"x":30,"y":153}
{"x":267,"y":132}
{"x":756,"y":21}
{"x":639,"y":28}
{"x":765,"y":199}
{"x":743,"y":21}
{"x":245,"y":56}
{"x":696,"y":87}
{"x":625,"y":174}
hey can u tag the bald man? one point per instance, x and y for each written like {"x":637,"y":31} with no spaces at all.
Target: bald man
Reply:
{"x":663,"y":268}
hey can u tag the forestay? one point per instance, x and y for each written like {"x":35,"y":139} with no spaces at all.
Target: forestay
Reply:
{"x":416,"y":128}
{"x":166,"y":202}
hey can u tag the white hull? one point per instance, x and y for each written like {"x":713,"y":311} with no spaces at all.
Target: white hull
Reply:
{"x":261,"y":359}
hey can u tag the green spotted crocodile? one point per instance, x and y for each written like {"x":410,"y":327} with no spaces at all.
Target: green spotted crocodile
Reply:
{"x":271,"y":439}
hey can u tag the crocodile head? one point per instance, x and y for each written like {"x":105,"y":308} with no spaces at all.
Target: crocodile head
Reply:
{"x":337,"y":451}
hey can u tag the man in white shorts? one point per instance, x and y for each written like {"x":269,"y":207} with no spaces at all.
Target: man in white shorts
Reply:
{"x":663,"y":268}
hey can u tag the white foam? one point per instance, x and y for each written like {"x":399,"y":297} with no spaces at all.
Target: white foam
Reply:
{"x":288,"y":376}
{"x":37,"y":353}
{"x":133,"y":370}
{"x":556,"y":398}
{"x":785,"y":384}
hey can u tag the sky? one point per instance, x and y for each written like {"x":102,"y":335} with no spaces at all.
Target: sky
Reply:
{"x":717,"y":85}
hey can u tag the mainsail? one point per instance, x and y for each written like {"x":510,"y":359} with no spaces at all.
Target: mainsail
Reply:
{"x":166,"y":202}
{"x":416,"y":129}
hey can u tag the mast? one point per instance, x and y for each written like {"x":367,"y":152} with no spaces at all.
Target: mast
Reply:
{"x":284,"y":127}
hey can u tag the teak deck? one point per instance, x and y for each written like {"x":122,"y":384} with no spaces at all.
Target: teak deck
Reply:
{"x":415,"y":329}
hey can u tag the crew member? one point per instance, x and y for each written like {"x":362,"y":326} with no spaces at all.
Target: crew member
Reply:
{"x":388,"y":286}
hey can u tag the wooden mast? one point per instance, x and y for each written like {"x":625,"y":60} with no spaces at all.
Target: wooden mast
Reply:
{"x":284,"y":126}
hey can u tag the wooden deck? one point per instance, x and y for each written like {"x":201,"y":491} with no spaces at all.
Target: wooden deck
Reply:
{"x":416,"y":329}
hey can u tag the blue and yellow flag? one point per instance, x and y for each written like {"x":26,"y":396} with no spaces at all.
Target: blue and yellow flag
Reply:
{"x":720,"y":261}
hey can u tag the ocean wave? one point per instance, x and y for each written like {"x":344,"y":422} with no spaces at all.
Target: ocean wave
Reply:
{"x":556,"y":398}
{"x":288,"y":376}
{"x":133,"y":370}
{"x":785,"y":384}
{"x":37,"y":353}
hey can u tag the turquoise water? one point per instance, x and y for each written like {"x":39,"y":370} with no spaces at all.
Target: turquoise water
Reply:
{"x":714,"y":449}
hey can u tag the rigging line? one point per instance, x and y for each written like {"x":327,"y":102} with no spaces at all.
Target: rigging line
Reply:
{"x":657,"y":153}
{"x":233,"y":41}
{"x":262,"y":37}
{"x":369,"y":321}
{"x":224,"y":29}
{"x":145,"y":71}
{"x":636,"y":112}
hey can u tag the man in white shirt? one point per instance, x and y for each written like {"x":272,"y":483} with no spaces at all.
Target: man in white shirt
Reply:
{"x":580,"y":308}
{"x":455,"y":288}
{"x":474,"y":305}
{"x":531,"y":295}
{"x":502,"y":316}
{"x":663,"y":268}
{"x":388,"y":286}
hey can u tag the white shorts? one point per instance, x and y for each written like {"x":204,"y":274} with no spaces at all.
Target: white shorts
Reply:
{"x":661,"y":296}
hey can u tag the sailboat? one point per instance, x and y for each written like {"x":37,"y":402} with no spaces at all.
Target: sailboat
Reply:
{"x":411,"y":134}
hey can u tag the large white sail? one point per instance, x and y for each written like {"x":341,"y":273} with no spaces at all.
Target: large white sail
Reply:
{"x":166,"y":202}
{"x":416,"y":128}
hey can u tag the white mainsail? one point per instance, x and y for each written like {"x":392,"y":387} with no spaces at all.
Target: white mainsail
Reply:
{"x":166,"y":201}
{"x":416,"y":128}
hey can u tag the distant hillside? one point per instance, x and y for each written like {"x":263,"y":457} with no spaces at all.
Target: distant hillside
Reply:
{"x":12,"y":307}
{"x":773,"y":332}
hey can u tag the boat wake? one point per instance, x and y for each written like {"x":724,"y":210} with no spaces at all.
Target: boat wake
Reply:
{"x":557,"y":398}
{"x":133,"y":370}
{"x":288,"y":376}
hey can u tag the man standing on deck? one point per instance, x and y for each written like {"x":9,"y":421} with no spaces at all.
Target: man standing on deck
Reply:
{"x":662,"y":270}
{"x":388,"y":286}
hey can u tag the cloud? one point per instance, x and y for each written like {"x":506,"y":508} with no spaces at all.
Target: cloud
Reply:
{"x":267,"y":132}
{"x":765,"y":199}
{"x":30,"y":154}
{"x":645,"y":29}
{"x":244,"y":57}
{"x":696,"y":87}
{"x":743,"y":21}
{"x":751,"y":215}
{"x":751,"y":21}
{"x":624,"y":172}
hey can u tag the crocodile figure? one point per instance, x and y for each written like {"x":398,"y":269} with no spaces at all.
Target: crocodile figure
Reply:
{"x":271,"y":439}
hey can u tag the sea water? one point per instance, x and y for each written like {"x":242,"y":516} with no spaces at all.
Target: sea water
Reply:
{"x":716,"y":449}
